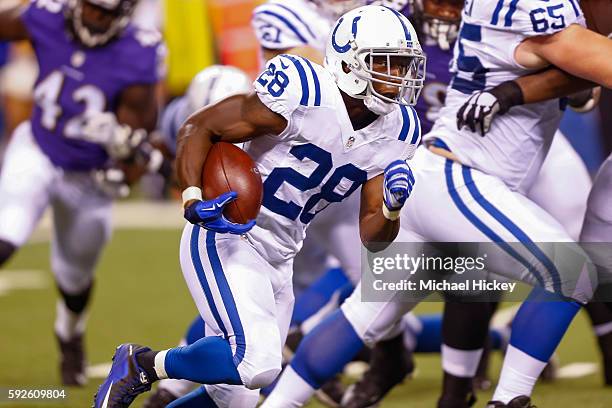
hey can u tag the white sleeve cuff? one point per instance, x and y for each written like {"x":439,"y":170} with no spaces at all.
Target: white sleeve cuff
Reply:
{"x":192,"y":193}
{"x":390,"y":215}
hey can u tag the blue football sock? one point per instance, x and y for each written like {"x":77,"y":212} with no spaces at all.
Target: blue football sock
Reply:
{"x":195,"y":331}
{"x":195,"y":399}
{"x":429,"y":340}
{"x":497,"y":339}
{"x":317,"y":295}
{"x":344,"y":292}
{"x":326,"y":350}
{"x":541,"y":323}
{"x":207,"y":361}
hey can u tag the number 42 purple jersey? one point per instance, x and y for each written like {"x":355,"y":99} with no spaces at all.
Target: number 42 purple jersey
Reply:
{"x":75,"y":81}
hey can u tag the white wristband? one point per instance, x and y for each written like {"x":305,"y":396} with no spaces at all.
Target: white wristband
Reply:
{"x":390,"y":215}
{"x":191,"y":193}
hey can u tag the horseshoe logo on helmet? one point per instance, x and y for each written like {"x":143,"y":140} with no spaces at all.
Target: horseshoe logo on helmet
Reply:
{"x":344,"y":48}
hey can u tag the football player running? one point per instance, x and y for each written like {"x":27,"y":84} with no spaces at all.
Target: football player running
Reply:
{"x":301,"y":27}
{"x":94,"y":103}
{"x":208,"y":86}
{"x":478,"y":185}
{"x":437,"y":24}
{"x":315,"y":142}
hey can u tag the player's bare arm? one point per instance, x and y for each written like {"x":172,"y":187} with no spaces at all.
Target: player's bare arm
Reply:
{"x":11,"y":26}
{"x":376,"y":231}
{"x":235,"y":119}
{"x":550,"y":84}
{"x":138,"y":107}
{"x":574,"y":69}
{"x":591,"y":60}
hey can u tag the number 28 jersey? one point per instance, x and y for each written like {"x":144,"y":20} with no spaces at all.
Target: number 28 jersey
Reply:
{"x":75,"y":81}
{"x":318,"y":159}
{"x":518,"y":141}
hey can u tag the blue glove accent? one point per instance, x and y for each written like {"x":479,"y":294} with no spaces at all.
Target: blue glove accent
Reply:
{"x":209,"y":214}
{"x":222,"y":225}
{"x":398,"y":184}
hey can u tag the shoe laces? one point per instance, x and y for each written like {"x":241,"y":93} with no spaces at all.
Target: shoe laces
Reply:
{"x":132,"y":387}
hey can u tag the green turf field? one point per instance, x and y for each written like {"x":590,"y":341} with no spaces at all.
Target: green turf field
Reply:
{"x":140,"y":297}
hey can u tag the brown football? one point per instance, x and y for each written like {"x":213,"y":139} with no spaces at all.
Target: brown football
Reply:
{"x":229,"y":168}
{"x":598,"y":14}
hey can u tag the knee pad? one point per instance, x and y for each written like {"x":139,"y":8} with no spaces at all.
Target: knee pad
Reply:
{"x":6,"y":251}
{"x":259,"y":369}
{"x":262,"y":379}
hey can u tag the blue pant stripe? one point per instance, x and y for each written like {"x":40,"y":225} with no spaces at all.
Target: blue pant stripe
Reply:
{"x":513,"y":228}
{"x":481,"y":225}
{"x":226,"y":295}
{"x":197,"y":264}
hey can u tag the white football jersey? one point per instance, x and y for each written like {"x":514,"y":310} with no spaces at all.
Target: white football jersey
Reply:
{"x":285,"y":24}
{"x":518,"y":141}
{"x":318,"y":159}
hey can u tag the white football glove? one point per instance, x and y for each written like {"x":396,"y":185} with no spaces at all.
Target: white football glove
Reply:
{"x":112,"y":182}
{"x":119,"y":140}
{"x":478,"y":112}
{"x":397,"y":186}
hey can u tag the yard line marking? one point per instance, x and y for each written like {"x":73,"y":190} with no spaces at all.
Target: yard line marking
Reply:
{"x":578,"y":369}
{"x":22,"y":279}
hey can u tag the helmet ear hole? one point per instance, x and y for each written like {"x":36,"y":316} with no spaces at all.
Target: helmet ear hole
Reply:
{"x":345,"y":67}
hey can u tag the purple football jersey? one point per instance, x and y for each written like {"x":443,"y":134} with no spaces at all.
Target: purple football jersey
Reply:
{"x":74,"y":80}
{"x":437,"y":78}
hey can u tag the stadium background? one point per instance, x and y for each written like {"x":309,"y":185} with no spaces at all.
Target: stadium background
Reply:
{"x":140,"y":294}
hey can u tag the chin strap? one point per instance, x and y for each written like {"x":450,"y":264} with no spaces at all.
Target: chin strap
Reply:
{"x":378,"y":106}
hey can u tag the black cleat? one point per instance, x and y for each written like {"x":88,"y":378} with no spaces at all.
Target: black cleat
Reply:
{"x":391,"y":362}
{"x":72,"y":361}
{"x":522,"y":401}
{"x":160,"y":398}
{"x":450,"y":402}
{"x":330,"y":394}
{"x":605,"y":346}
{"x":125,"y":381}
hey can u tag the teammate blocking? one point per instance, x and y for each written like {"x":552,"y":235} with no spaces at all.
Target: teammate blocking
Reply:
{"x":477,"y":185}
{"x":316,"y":134}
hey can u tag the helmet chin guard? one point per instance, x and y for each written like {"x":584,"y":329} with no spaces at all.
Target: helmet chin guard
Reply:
{"x":442,"y":30}
{"x":91,"y":38}
{"x":375,"y":32}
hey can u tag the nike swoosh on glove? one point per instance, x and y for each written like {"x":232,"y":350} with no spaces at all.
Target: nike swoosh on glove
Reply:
{"x":209,"y":214}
